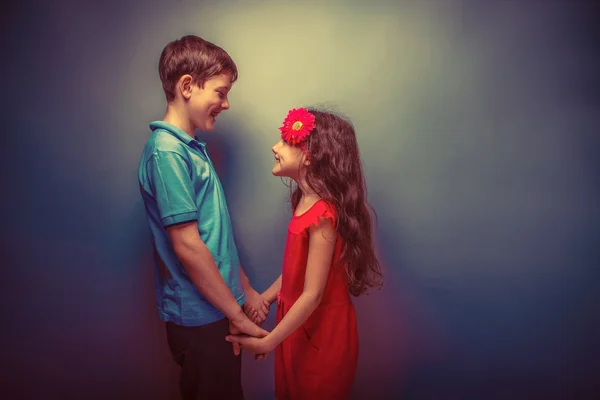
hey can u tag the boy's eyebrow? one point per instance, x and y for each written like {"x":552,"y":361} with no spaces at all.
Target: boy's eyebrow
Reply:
{"x":224,"y":87}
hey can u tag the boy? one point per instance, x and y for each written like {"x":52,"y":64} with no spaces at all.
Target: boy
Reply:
{"x":200,"y":286}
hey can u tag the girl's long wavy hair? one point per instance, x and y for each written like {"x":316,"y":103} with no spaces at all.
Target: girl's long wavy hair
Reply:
{"x":335,"y":173}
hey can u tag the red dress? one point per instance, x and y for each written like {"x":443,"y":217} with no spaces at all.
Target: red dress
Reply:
{"x":318,"y":360}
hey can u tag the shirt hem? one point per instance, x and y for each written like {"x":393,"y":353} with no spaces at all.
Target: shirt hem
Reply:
{"x":205,"y":319}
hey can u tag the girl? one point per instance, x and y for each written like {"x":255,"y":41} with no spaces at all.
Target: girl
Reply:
{"x":329,"y":255}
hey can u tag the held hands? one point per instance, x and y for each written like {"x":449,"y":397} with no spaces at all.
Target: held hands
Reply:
{"x":260,"y":346}
{"x":256,"y":307}
{"x":242,"y":325}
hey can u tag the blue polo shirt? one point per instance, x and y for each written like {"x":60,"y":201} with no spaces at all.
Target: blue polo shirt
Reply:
{"x":179,"y":184}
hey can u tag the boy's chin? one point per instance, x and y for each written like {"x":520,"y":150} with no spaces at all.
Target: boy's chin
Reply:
{"x":209,"y":125}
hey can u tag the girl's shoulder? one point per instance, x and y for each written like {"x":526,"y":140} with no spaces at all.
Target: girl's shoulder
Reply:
{"x":320,"y":209}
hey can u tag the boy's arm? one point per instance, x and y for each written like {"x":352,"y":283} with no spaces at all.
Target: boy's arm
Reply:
{"x":200,"y":265}
{"x":169,"y":175}
{"x":320,"y":253}
{"x":245,"y":281}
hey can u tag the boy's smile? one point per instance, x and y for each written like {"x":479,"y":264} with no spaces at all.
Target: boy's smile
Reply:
{"x":209,"y":101}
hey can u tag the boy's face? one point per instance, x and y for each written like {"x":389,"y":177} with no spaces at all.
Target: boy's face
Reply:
{"x":207,"y":102}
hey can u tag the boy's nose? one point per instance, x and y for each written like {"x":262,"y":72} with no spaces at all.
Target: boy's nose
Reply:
{"x":225,"y":105}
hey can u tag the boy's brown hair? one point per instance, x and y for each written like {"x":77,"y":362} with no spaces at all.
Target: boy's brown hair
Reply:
{"x":194,"y":56}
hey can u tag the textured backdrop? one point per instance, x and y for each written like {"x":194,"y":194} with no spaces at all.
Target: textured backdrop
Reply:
{"x":478,"y":126}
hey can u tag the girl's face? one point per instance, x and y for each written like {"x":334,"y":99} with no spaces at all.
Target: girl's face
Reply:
{"x":290,"y":161}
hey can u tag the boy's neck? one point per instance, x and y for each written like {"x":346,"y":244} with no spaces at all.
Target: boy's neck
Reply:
{"x":178,"y":118}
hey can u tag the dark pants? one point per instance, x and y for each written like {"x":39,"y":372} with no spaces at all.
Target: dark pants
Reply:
{"x":209,"y":369}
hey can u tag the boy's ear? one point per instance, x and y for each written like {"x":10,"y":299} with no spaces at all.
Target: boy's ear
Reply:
{"x":184,"y":86}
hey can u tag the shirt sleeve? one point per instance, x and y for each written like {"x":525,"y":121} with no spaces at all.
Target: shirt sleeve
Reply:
{"x":173,"y":189}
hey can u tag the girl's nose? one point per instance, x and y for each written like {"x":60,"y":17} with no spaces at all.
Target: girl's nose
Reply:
{"x":275,"y":146}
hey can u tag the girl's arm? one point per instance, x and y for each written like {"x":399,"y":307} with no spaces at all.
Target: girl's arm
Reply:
{"x":320,"y":253}
{"x":271,"y":293}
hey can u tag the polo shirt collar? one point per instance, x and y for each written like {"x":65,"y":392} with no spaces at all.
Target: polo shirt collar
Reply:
{"x":175,"y":131}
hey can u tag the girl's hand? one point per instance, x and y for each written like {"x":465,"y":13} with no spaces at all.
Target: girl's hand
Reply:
{"x":256,"y":306}
{"x":259,"y":346}
{"x":253,"y":314}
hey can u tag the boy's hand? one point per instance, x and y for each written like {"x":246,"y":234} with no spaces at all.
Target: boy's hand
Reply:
{"x":243,"y":325}
{"x":234,"y":331}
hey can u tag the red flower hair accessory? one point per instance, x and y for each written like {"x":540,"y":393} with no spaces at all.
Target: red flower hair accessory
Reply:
{"x":297,"y":126}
